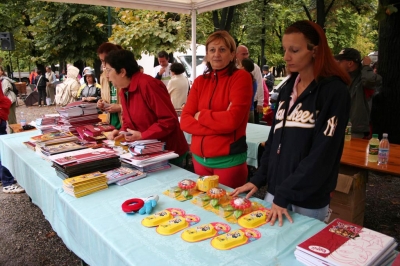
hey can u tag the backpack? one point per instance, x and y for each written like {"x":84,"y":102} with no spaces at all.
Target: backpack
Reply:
{"x":14,"y":88}
{"x":66,"y":92}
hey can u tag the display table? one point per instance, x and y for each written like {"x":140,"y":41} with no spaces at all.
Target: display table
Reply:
{"x":255,"y":134}
{"x":355,"y":153}
{"x":95,"y":228}
{"x":16,"y":128}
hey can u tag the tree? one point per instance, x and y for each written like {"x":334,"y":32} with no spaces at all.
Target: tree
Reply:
{"x":388,"y":107}
{"x":150,"y":31}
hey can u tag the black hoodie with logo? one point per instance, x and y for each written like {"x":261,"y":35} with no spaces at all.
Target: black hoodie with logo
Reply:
{"x":301,"y":160}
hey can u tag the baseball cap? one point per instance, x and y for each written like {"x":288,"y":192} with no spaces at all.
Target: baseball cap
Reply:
{"x":349,"y":54}
{"x":265,"y":67}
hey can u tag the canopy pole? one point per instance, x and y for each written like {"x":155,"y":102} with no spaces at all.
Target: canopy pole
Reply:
{"x":194,"y":61}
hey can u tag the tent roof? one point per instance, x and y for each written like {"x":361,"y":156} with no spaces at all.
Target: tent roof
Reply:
{"x":176,"y":6}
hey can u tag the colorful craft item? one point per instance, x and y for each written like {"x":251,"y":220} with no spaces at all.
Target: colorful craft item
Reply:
{"x":241,"y":206}
{"x":205,"y":231}
{"x":140,"y":205}
{"x":132,"y":205}
{"x":216,"y":194}
{"x":162,"y":216}
{"x":235,"y":238}
{"x":187,"y":186}
{"x":177,"y":224}
{"x":254,"y":219}
{"x":205,"y":183}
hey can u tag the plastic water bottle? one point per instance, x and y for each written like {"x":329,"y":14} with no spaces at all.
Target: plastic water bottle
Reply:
{"x":383,"y":154}
{"x":373,"y":148}
{"x":347,"y":135}
{"x":22,"y":119}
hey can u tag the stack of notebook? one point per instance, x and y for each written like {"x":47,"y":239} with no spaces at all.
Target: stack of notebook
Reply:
{"x":344,"y":243}
{"x":82,"y":185}
{"x":148,"y":155}
{"x":84,"y":161}
{"x":123,"y":175}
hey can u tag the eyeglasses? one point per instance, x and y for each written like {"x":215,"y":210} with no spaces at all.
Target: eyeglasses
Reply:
{"x":108,"y":69}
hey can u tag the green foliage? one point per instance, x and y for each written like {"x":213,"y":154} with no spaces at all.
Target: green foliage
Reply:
{"x":149,"y":31}
{"x":72,"y":34}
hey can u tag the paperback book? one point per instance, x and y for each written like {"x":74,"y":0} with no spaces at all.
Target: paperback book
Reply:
{"x":344,"y":243}
{"x":120,"y":173}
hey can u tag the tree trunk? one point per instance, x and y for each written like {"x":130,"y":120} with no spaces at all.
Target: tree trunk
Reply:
{"x":387,"y":111}
{"x":321,"y":13}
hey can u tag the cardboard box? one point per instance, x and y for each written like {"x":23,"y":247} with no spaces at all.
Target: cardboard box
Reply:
{"x":353,"y":214}
{"x":348,"y":200}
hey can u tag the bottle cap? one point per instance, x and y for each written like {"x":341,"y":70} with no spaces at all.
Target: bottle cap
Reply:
{"x":385,"y":135}
{"x":374,"y":136}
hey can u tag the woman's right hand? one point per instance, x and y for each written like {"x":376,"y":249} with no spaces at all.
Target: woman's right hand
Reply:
{"x":246,"y":187}
{"x":100,"y":104}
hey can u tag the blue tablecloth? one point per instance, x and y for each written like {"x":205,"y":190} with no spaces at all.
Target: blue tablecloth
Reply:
{"x":255,"y":134}
{"x":95,"y":228}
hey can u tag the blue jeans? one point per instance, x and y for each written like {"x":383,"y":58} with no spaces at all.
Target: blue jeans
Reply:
{"x":319,"y":214}
{"x":5,"y":176}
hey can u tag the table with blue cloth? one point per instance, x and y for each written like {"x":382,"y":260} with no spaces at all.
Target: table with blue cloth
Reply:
{"x":95,"y":228}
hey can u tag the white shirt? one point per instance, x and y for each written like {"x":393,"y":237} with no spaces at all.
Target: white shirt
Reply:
{"x":166,"y":76}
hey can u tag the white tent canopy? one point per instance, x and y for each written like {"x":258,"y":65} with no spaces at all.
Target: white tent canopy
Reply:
{"x":177,"y":6}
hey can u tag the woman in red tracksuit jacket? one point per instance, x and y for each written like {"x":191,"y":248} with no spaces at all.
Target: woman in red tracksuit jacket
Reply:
{"x":216,"y":114}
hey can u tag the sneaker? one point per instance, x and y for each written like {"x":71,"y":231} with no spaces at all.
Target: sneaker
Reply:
{"x":13,"y":189}
{"x":39,"y":105}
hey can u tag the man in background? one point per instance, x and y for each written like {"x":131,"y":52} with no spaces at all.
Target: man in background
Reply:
{"x":241,"y":53}
{"x":364,"y":82}
{"x":163,"y":71}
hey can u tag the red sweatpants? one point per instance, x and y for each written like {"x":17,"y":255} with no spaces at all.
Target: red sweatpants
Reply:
{"x":233,"y":177}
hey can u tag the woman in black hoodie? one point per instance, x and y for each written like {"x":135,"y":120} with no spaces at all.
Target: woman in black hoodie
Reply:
{"x":301,"y":160}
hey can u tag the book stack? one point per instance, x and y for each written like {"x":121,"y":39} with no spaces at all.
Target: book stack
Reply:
{"x":123,"y":175}
{"x":93,"y":132}
{"x":82,"y":185}
{"x":83,"y":161}
{"x":77,"y":114}
{"x":53,"y":149}
{"x":148,"y":155}
{"x":47,"y":123}
{"x":52,"y":138}
{"x":344,"y":243}
{"x":146,"y":147}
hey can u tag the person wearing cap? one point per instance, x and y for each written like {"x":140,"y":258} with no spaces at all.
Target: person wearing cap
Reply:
{"x":363,"y":81}
{"x":268,"y":77}
{"x":82,"y":79}
{"x":90,"y":91}
{"x":241,"y":53}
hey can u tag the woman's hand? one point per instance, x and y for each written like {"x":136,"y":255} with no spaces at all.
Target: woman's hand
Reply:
{"x":129,"y":135}
{"x":278,"y":212}
{"x":196,"y":116}
{"x":100,"y":104}
{"x":246,"y":187}
{"x":113,"y":108}
{"x":113,"y":134}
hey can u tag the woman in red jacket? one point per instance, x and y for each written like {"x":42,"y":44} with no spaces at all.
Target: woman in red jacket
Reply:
{"x":216,"y":114}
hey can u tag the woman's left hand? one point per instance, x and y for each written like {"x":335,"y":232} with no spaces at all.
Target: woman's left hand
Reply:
{"x":278,"y":212}
{"x":133,"y":135}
